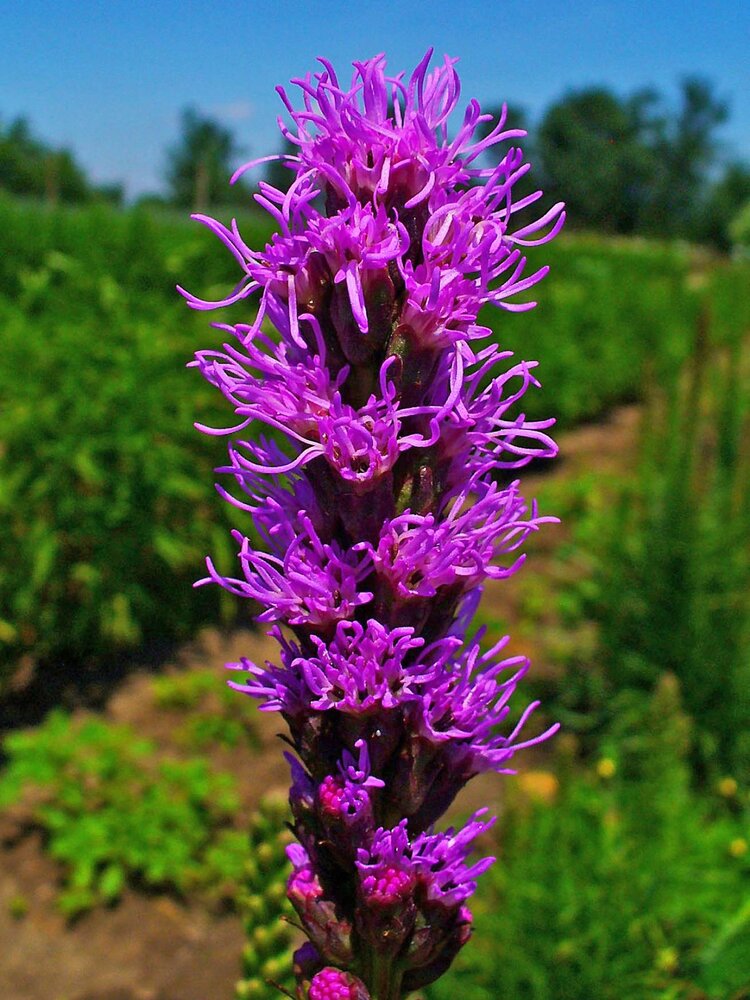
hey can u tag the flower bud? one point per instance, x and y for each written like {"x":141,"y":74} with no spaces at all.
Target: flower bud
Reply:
{"x":329,"y":932}
{"x":386,"y":910}
{"x":345,"y":813}
{"x":380,"y":297}
{"x":306,"y":962}
{"x":415,"y":772}
{"x":418,"y":361}
{"x":333,"y":984}
{"x":431,"y":954}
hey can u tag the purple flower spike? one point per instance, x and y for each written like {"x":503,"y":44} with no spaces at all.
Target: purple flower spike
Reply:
{"x":377,"y":501}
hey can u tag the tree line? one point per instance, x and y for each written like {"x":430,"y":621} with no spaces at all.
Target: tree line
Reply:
{"x":639,"y":165}
{"x":633,"y":164}
{"x":32,"y":168}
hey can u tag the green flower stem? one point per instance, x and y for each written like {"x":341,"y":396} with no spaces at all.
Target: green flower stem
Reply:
{"x":385,"y":979}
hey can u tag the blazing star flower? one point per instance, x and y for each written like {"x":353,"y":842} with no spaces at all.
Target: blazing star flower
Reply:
{"x":314,"y":584}
{"x":362,"y":668}
{"x":375,"y":497}
{"x":436,"y":862}
{"x":420,"y":553}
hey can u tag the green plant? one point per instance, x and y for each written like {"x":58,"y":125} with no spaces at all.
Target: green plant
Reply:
{"x":672,"y":586}
{"x":625,"y":883}
{"x":99,"y":464}
{"x":18,"y":907}
{"x":611,"y":309}
{"x":183,"y":691}
{"x":98,"y":496}
{"x":113,"y":813}
{"x":267,"y":956}
{"x":213,"y":714}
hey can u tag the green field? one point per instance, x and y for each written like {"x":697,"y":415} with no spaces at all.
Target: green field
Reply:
{"x":624,"y":871}
{"x":104,"y":496}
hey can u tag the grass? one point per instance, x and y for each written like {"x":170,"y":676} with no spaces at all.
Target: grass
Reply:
{"x":624,"y":882}
{"x":114,"y":813}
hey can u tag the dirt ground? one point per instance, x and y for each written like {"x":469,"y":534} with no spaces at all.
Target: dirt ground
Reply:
{"x":154,"y":947}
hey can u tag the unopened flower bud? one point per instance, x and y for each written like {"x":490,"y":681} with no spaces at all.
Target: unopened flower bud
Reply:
{"x":386,"y":912}
{"x":327,"y":929}
{"x":333,"y":984}
{"x":306,"y":962}
{"x":442,"y":955}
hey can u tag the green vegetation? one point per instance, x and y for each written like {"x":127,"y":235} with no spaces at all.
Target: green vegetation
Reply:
{"x":668,"y":580}
{"x":623,"y":883}
{"x":103,"y":497}
{"x":114,"y":814}
{"x":633,"y":879}
{"x":624,"y":870}
{"x":607,"y":313}
{"x":33,"y":168}
{"x":199,"y":166}
{"x":211,"y":713}
{"x":675,"y":587}
{"x":640,"y":165}
{"x":267,"y":956}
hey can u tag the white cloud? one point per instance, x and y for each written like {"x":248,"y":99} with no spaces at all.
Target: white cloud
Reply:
{"x":233,"y":111}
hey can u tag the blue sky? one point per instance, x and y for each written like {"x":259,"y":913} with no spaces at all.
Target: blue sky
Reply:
{"x":109,"y":77}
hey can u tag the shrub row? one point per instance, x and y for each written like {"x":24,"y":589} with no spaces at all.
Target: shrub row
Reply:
{"x":105,"y":499}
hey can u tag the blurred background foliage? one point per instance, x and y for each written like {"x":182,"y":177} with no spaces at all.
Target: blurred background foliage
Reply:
{"x":618,"y":880}
{"x":623,"y":861}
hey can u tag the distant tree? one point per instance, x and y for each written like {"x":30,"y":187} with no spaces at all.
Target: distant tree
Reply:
{"x":201,"y":162}
{"x":64,"y":180}
{"x":32,"y":168}
{"x":21,"y":159}
{"x":687,"y":152}
{"x":114,"y":193}
{"x":594,"y":157}
{"x":726,"y":197}
{"x":633,"y":164}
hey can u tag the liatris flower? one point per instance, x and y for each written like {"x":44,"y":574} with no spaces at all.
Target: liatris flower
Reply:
{"x":376,"y":499}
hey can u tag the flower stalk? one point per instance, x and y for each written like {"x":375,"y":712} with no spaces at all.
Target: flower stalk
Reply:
{"x":385,"y":413}
{"x":385,"y":977}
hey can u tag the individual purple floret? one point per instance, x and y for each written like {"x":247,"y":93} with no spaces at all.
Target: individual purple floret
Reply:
{"x":373,"y":426}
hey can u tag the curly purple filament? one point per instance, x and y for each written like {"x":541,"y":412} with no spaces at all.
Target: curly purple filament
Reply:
{"x":377,"y":503}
